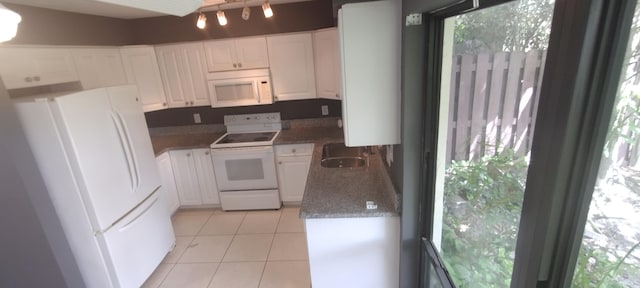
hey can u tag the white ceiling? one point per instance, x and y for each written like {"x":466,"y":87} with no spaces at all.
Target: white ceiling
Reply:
{"x":93,"y":7}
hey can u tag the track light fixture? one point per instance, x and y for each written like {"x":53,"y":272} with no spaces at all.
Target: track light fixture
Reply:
{"x":222,"y":19}
{"x":266,"y":8}
{"x":202,"y":21}
{"x":246,"y":12}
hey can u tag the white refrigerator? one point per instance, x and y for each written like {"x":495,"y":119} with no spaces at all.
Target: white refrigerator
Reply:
{"x":95,"y":155}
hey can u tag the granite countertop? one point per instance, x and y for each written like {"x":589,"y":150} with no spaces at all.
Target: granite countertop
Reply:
{"x":341,"y":192}
{"x":330,"y":192}
{"x":163,"y":143}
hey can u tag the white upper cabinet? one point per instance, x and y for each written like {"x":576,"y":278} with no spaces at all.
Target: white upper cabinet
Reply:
{"x":326,"y":49}
{"x":141,"y":68}
{"x":99,"y":67}
{"x":182,"y":67}
{"x":292,"y":69}
{"x":30,"y":67}
{"x":370,"y":40}
{"x":235,"y":54}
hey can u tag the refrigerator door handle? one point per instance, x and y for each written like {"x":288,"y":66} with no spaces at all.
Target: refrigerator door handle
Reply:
{"x":127,"y":136}
{"x":125,"y":149}
{"x":144,"y":212}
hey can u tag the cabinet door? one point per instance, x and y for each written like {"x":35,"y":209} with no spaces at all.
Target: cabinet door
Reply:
{"x":182,"y":70}
{"x":292,"y":177}
{"x":184,"y":172}
{"x":371,"y":77}
{"x":252,"y":53}
{"x":168,"y":182}
{"x":30,"y":67}
{"x":99,"y":67}
{"x":141,"y":68}
{"x":195,"y":62}
{"x":206,"y":177}
{"x":292,"y":69}
{"x":327,"y":62}
{"x":220,"y":55}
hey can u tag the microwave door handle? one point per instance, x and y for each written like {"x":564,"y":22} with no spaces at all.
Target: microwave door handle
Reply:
{"x":256,"y":90}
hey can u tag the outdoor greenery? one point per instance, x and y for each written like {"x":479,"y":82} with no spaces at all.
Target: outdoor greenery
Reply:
{"x":483,"y":204}
{"x":516,"y":26}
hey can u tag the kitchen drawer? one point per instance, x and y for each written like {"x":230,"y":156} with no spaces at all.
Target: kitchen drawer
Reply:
{"x":294,"y":150}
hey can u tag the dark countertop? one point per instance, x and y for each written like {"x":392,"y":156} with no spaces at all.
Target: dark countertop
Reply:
{"x":330,"y":192}
{"x":163,"y":143}
{"x":341,"y":192}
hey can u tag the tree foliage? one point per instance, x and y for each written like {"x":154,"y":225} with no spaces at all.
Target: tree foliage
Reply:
{"x":515,"y":26}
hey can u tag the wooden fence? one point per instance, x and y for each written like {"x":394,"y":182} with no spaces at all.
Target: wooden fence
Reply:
{"x":493,"y":103}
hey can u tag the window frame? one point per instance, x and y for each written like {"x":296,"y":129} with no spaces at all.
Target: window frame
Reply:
{"x":579,"y":90}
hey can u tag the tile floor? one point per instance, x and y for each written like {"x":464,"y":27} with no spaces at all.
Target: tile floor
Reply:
{"x":254,"y":249}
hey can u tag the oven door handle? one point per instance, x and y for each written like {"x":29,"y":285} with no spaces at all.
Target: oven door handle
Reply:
{"x":242,"y":149}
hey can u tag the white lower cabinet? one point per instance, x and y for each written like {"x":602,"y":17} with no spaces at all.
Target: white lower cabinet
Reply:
{"x":168,"y":182}
{"x":194,"y":177}
{"x":293,"y":168}
{"x":354,"y":252}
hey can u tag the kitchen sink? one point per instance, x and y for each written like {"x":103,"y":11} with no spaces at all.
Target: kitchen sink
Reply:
{"x":336,"y":155}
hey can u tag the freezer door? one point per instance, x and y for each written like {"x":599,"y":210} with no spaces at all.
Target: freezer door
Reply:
{"x":100,"y":155}
{"x":135,"y":245}
{"x":126,"y":106}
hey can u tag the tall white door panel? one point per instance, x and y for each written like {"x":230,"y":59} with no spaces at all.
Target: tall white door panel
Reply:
{"x":105,"y":173}
{"x":126,"y":105}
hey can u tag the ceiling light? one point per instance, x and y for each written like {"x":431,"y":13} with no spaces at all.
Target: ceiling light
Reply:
{"x":245,"y":11}
{"x":8,"y":23}
{"x":222,"y":20}
{"x":202,"y":21}
{"x":266,"y":8}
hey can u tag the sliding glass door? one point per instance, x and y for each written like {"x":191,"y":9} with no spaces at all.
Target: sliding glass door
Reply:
{"x":490,"y":217}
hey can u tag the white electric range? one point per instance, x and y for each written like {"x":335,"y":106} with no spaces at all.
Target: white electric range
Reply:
{"x":244,"y":162}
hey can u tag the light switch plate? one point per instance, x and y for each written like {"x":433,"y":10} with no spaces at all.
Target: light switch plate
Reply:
{"x":196,"y":118}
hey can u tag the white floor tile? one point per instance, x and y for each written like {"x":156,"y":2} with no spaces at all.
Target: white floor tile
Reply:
{"x":158,"y":275}
{"x":290,"y":221}
{"x":253,"y":247}
{"x":260,"y":222}
{"x":190,"y":275}
{"x":189,"y":222}
{"x":225,"y":223}
{"x":289,"y":246}
{"x":181,"y":244}
{"x":206,"y":249}
{"x":286,"y":274}
{"x":238,"y":275}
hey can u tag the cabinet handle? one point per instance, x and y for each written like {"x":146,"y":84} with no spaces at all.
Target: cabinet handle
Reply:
{"x":28,"y":79}
{"x":293,"y":150}
{"x":279,"y":162}
{"x":192,"y":103}
{"x":235,"y":65}
{"x":36,"y":78}
{"x":206,"y":153}
{"x":164,"y":104}
{"x":188,"y":154}
{"x":186,"y":103}
{"x":239,"y":65}
{"x":337,"y":95}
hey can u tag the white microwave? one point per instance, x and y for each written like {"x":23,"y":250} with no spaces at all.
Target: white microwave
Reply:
{"x":240,"y":88}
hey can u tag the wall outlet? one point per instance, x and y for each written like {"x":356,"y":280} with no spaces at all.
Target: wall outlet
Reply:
{"x":196,"y":118}
{"x":371,"y":205}
{"x":325,"y":110}
{"x":413,"y":19}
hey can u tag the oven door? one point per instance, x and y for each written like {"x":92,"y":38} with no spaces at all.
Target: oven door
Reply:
{"x":245,"y":168}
